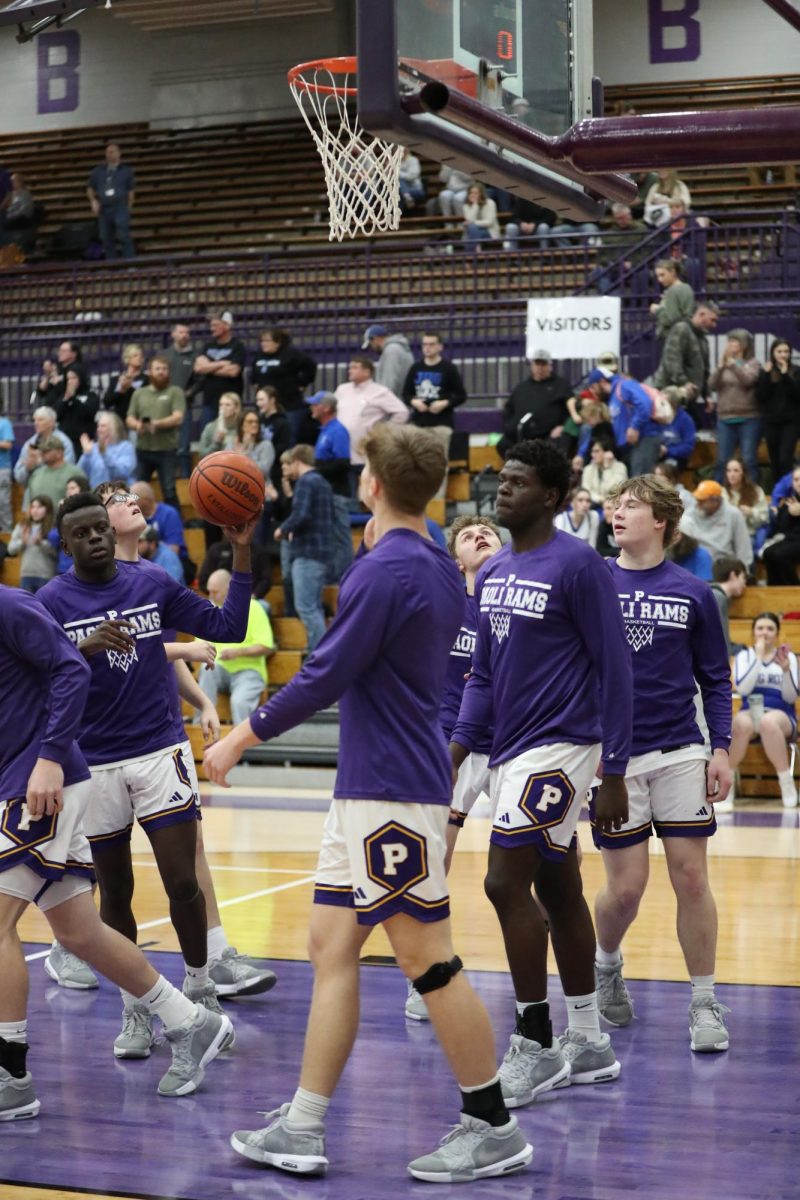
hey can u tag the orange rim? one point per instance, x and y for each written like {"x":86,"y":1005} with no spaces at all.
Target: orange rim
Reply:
{"x":335,"y":66}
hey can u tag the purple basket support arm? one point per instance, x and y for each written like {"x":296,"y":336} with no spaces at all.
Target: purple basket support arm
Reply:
{"x":785,"y":9}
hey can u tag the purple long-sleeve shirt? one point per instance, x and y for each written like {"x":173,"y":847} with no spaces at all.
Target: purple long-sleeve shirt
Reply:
{"x":384,"y":658}
{"x":459,"y":665}
{"x":676,"y":638}
{"x":128,"y":708}
{"x":551,"y":662}
{"x":43,"y":682}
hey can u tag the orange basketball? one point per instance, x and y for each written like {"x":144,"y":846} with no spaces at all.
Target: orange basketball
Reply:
{"x":227,"y":488}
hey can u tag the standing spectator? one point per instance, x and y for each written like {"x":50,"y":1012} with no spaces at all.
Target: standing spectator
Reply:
{"x":30,"y":538}
{"x":665,"y":188}
{"x":220,"y":365}
{"x":685,"y":357}
{"x":603,"y":474}
{"x":480,"y":216}
{"x":580,"y":519}
{"x":616,"y":259}
{"x":687,"y":552}
{"x":222,"y":433}
{"x":716,"y":525}
{"x":433,"y":389}
{"x":180,"y":355}
{"x":738,"y":416}
{"x":17,"y":209}
{"x":50,"y":479}
{"x":289,"y":370}
{"x":778,"y":395}
{"x":111,"y":193}
{"x":240,"y":669}
{"x":363,"y":403}
{"x":154,"y":550}
{"x":332,"y":460}
{"x":121,"y":387}
{"x":749,"y":498}
{"x":52,"y":381}
{"x":454,"y":193}
{"x":730,"y":582}
{"x":594,"y":423}
{"x":309,"y":529}
{"x":156,"y":414}
{"x":77,"y":410}
{"x":6,"y":446}
{"x":630,"y":409}
{"x":110,"y":455}
{"x":251,"y":442}
{"x":528,"y":220}
{"x":395,"y":359}
{"x":275,"y":427}
{"x":677,"y":301}
{"x":781,"y":557}
{"x":166,"y":520}
{"x":538,"y":406}
{"x":30,"y":457}
{"x":412,"y":188}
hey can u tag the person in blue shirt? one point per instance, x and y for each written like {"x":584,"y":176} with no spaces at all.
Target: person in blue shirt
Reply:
{"x":631,"y":415}
{"x":156,"y":552}
{"x":332,"y":461}
{"x":111,"y":193}
{"x":678,"y":439}
{"x":6,"y":443}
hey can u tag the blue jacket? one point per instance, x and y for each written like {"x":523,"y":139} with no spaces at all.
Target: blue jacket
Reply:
{"x":630,"y":407}
{"x":679,"y":436}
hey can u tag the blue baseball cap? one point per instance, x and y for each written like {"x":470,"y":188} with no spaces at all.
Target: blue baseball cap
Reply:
{"x":322,"y":398}
{"x":598,"y":375}
{"x":373,"y":331}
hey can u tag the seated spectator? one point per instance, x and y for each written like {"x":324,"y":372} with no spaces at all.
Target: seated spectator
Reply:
{"x":30,"y":539}
{"x":679,"y":437}
{"x":74,"y":487}
{"x":687,"y":552}
{"x":156,"y":414}
{"x":630,"y":408}
{"x":275,"y":428}
{"x":677,"y":301}
{"x":109,"y":455}
{"x":310,"y":531}
{"x":454,"y":193}
{"x":280,"y":364}
{"x":151,"y":548}
{"x":240,"y":669}
{"x":219,"y":556}
{"x":749,"y":498}
{"x":537,"y":406}
{"x":528,"y":221}
{"x":6,"y":446}
{"x":45,"y":425}
{"x":362,"y":404}
{"x":251,"y":442}
{"x":163,"y":517}
{"x":595,"y":423}
{"x":730,"y":582}
{"x":121,"y":387}
{"x":778,"y":396}
{"x":717,"y":526}
{"x":605,"y":545}
{"x":412,"y":188}
{"x":77,"y":409}
{"x":332,"y":461}
{"x":17,"y":208}
{"x":52,"y":381}
{"x":666,"y":188}
{"x":738,"y":415}
{"x":580,"y":519}
{"x":766,"y":677}
{"x":669,"y":471}
{"x":51,"y":478}
{"x":616,"y":260}
{"x":480,"y":216}
{"x":222,"y":433}
{"x":781,"y":553}
{"x":603,"y":473}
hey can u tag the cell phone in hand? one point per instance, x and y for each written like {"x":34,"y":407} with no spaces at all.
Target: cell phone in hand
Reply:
{"x":145,"y":420}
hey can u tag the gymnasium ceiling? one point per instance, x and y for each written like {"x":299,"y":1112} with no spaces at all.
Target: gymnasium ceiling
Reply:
{"x":183,"y":14}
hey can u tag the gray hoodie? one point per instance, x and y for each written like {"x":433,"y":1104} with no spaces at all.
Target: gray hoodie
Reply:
{"x":394,"y":363}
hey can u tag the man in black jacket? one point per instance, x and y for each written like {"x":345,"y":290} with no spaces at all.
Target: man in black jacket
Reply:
{"x":537,"y":407}
{"x":433,"y":390}
{"x":290,"y":371}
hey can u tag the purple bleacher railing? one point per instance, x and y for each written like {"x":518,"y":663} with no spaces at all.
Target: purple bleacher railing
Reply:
{"x":751,"y":266}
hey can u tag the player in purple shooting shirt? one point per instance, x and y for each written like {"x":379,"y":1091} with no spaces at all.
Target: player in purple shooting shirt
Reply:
{"x":384,"y":658}
{"x":45,"y":857}
{"x":130,"y":735}
{"x":676,"y":643}
{"x":550,"y":641}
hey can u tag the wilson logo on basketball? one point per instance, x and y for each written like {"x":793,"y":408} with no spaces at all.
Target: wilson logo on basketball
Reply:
{"x":240,"y":486}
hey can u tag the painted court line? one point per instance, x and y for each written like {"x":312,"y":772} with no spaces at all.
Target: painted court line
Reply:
{"x":249,"y":870}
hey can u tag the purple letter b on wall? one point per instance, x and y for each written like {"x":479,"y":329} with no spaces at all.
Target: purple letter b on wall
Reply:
{"x":58,"y":78}
{"x":674,"y":33}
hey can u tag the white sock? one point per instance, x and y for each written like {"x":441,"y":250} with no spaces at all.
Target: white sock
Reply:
{"x":702,"y":986}
{"x":786,"y":780}
{"x":523,"y":1004}
{"x":607,"y":958}
{"x":583,"y":1015}
{"x":14,"y":1031}
{"x":128,"y":999}
{"x":168,"y":1004}
{"x":217,"y":942}
{"x":197,"y":975}
{"x":307,"y":1109}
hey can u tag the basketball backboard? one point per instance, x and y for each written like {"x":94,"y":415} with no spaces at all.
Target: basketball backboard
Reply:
{"x":18,"y":11}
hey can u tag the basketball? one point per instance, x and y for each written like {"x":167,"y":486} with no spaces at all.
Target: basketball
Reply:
{"x":227,"y":488}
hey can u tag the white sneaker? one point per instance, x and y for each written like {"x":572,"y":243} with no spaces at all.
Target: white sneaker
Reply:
{"x":416,"y":1008}
{"x":789,"y":796}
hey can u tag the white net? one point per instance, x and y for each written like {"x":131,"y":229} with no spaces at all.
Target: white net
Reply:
{"x":117,"y":659}
{"x":362,"y":172}
{"x":500,"y":622}
{"x":639,"y":635}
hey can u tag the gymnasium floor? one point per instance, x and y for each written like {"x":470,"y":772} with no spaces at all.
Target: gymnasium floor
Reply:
{"x":674,"y":1125}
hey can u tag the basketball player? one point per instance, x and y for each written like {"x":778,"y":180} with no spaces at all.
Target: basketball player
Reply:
{"x":383,"y":849}
{"x":550,"y":641}
{"x":471,"y":541}
{"x":45,"y":858}
{"x":137,"y":751}
{"x":676,"y":643}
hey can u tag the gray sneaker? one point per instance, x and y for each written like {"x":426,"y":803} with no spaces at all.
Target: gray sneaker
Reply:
{"x":234,"y":974}
{"x":528,"y":1070}
{"x":301,"y":1151}
{"x":416,"y":1008}
{"x":193,"y":1047}
{"x":474,"y":1150}
{"x":590,"y":1062}
{"x":707,"y":1025}
{"x":68,"y":970}
{"x":136,"y":1036}
{"x":17,"y":1098}
{"x":613,"y":999}
{"x":207,"y":997}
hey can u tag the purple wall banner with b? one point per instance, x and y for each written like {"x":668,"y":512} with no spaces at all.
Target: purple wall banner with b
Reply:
{"x":674,"y":31}
{"x":58,"y":79}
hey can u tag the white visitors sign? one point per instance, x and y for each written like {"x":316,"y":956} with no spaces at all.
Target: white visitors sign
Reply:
{"x":574,"y":326}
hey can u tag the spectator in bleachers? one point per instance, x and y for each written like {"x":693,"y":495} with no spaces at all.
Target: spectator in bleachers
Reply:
{"x":332,"y":460}
{"x":109,"y":455}
{"x":685,"y":358}
{"x":77,"y":409}
{"x":480,"y":216}
{"x":165,"y":519}
{"x":52,"y":382}
{"x":679,"y":437}
{"x":538,"y":405}
{"x":220,"y":365}
{"x":45,"y":425}
{"x":729,"y":583}
{"x":6,"y":446}
{"x":433,"y":390}
{"x":688,"y":241}
{"x":605,"y":545}
{"x":717,"y":525}
{"x":778,"y":395}
{"x":412,"y":187}
{"x":579,"y":519}
{"x":290,"y":371}
{"x":111,"y":193}
{"x":180,"y":355}
{"x":603,"y":473}
{"x":275,"y":427}
{"x":74,"y":487}
{"x":630,"y":409}
{"x":669,"y":471}
{"x":454,"y":193}
{"x":17,"y":210}
{"x":219,"y":556}
{"x":615,"y":257}
{"x":310,"y":531}
{"x":121,"y":386}
{"x":395,"y":357}
{"x":687,"y":552}
{"x":50,"y":479}
{"x":595,"y":424}
{"x":746,"y":495}
{"x":240,"y":669}
{"x":738,"y":414}
{"x":363,"y":403}
{"x":30,"y":539}
{"x":156,"y":414}
{"x":677,"y":301}
{"x":666,"y":188}
{"x":528,"y":220}
{"x":5,"y":184}
{"x":223,"y":432}
{"x":781,"y":552}
{"x":154,"y":550}
{"x":251,"y":442}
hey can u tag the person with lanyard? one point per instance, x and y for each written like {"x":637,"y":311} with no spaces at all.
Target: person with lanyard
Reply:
{"x":111,"y":193}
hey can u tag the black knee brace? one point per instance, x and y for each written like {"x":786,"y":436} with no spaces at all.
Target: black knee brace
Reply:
{"x":438,"y":976}
{"x":179,"y":896}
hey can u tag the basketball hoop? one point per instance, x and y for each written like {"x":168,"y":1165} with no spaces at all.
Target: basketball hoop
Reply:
{"x":362,"y":172}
